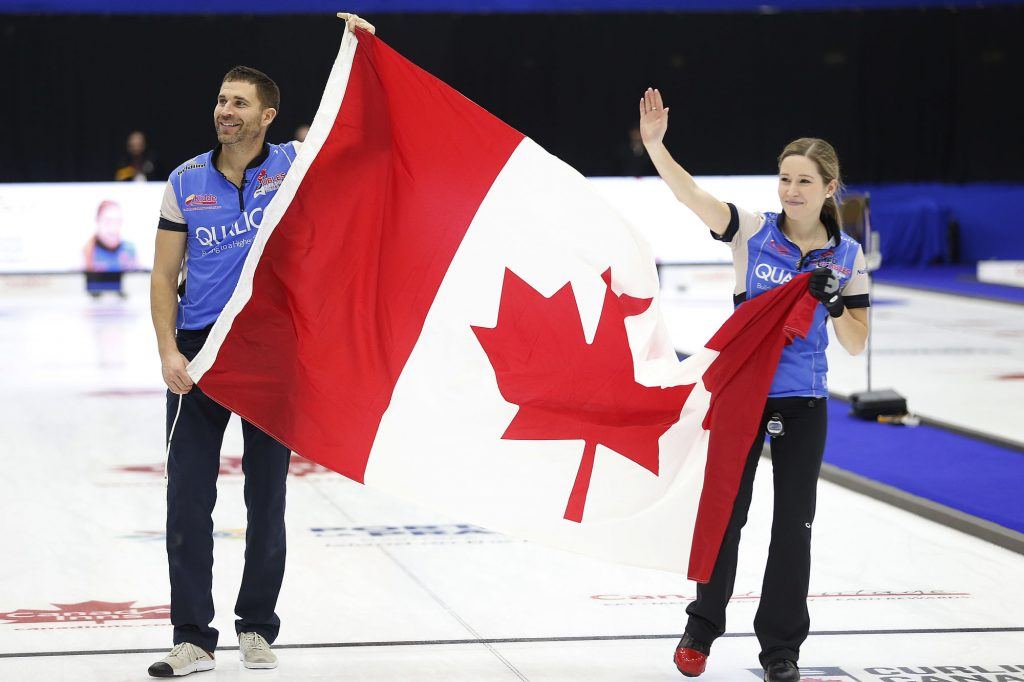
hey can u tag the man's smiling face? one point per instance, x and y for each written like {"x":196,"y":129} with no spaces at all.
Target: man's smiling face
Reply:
{"x":238,"y":116}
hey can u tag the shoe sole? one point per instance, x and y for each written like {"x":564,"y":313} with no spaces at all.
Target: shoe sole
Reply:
{"x":197,"y":667}
{"x":256,"y":666}
{"x":259,"y":666}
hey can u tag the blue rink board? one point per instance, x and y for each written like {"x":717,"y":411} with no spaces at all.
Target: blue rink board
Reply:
{"x":972,"y":476}
{"x":960,"y":280}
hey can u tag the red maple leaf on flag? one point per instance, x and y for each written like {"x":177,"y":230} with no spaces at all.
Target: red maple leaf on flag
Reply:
{"x":567,"y":389}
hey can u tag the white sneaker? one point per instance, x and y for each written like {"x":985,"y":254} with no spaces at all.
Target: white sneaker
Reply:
{"x":254,"y":652}
{"x":185,"y":658}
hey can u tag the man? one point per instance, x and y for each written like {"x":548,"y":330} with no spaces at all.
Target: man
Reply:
{"x":212,"y":208}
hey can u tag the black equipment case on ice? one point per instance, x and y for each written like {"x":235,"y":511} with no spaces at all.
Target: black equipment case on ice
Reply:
{"x":872,"y":404}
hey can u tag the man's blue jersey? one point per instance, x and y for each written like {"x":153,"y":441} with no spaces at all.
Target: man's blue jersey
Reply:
{"x":221,"y":220}
{"x":764,"y":258}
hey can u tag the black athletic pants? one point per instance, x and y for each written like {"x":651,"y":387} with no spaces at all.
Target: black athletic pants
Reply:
{"x":782,"y":621}
{"x":192,"y":467}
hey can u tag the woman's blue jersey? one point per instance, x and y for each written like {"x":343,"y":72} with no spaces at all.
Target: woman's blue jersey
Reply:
{"x":764,"y":258}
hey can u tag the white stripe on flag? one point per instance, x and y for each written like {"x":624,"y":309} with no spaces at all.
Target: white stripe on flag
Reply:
{"x":439,"y":443}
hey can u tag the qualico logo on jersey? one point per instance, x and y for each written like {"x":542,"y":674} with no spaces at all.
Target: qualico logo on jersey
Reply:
{"x":770,"y":273}
{"x":266,"y":184}
{"x":200,"y":201}
{"x":216,"y":235}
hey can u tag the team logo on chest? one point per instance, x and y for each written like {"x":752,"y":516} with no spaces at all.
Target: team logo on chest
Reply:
{"x":828,"y":259}
{"x":198,"y":202}
{"x":266,"y":183}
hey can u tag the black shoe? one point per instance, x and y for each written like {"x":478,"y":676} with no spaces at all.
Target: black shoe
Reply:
{"x":781,"y":670}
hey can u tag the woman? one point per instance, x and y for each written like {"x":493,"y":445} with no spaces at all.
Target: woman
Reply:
{"x":770,"y":249}
{"x":107,"y":256}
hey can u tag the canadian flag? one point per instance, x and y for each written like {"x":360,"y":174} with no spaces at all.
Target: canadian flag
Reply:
{"x":438,"y":308}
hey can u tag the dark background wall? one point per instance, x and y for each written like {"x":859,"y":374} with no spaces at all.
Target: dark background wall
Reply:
{"x":904,"y":95}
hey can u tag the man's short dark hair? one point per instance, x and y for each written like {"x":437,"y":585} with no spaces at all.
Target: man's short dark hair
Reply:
{"x":266,"y":88}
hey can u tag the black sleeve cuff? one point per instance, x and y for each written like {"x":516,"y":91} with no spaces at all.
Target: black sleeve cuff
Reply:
{"x":858,"y":301}
{"x":732,"y":228}
{"x":172,"y":226}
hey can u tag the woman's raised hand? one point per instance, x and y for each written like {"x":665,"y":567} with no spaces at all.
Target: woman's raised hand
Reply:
{"x":653,"y":117}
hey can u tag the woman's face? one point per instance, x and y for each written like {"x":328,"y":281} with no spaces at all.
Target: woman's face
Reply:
{"x":802,"y":190}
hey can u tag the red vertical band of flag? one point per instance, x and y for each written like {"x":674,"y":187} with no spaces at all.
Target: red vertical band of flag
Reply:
{"x":745,"y":367}
{"x":349,"y":273}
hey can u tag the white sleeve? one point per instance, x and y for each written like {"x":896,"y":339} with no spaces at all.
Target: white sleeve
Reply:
{"x":169,"y":209}
{"x":742,"y":226}
{"x":857,"y":285}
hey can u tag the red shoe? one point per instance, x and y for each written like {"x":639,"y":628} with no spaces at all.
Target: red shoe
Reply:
{"x":691,"y":656}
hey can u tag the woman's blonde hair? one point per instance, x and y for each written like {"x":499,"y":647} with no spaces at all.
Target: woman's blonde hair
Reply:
{"x":824,"y":157}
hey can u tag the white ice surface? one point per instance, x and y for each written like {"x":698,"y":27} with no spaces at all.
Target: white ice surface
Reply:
{"x":83,"y":400}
